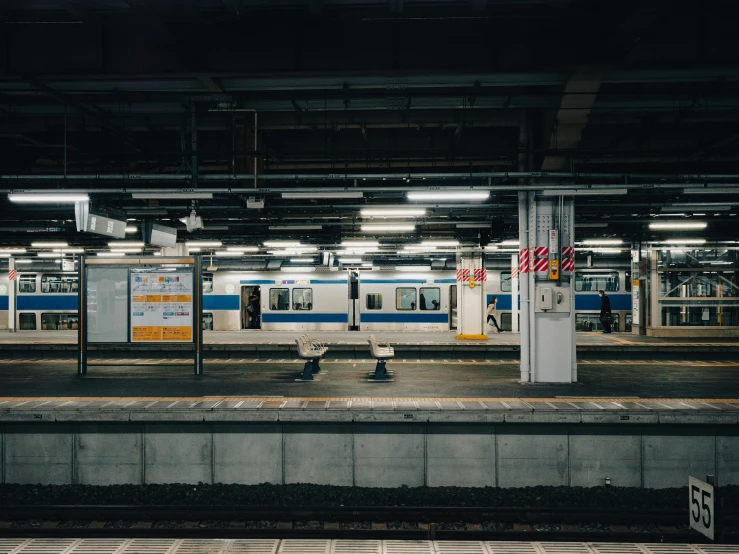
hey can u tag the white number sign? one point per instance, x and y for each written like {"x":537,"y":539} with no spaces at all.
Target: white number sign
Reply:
{"x":702,"y":515}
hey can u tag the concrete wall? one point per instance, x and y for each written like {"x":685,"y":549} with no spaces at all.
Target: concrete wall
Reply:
{"x":368,"y":454}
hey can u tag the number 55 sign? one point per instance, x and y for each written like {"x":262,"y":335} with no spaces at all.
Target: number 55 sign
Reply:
{"x":702,"y":514}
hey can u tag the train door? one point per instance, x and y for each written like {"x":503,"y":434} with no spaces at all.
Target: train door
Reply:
{"x":353,"y":280}
{"x":452,"y":307}
{"x":250,"y":319}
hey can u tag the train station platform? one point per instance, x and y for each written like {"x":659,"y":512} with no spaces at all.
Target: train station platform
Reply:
{"x":279,"y":344}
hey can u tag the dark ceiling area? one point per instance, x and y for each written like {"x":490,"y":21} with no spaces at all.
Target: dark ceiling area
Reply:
{"x":246,"y":98}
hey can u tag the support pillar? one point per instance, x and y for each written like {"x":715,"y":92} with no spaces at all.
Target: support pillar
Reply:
{"x":12,"y":285}
{"x":546,"y":270}
{"x":471,"y":298}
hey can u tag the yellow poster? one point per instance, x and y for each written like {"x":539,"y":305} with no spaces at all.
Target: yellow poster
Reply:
{"x":161,"y":306}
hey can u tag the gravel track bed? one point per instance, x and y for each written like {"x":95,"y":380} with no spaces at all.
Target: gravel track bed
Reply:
{"x":627,"y":499}
{"x":355,"y":525}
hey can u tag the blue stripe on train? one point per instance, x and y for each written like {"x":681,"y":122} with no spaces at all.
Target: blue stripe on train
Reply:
{"x":404,"y":318}
{"x":3,"y":302}
{"x":47,"y":302}
{"x":294,"y":317}
{"x":583,"y":302}
{"x":590,"y":301}
{"x":367,"y":282}
{"x":221,"y":302}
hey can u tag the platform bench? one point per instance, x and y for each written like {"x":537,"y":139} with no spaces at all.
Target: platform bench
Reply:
{"x":381,"y":351}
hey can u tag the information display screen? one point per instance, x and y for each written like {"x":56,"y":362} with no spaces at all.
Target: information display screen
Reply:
{"x":161,"y":306}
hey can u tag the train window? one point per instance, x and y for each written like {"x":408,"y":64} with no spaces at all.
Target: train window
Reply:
{"x":27,"y":322}
{"x":374,"y":301}
{"x":505,"y":281}
{"x":207,"y":283}
{"x":207,"y":322}
{"x":405,"y":298}
{"x":591,"y":322}
{"x":430,"y":298}
{"x":50,"y":322}
{"x":279,"y":299}
{"x":593,"y":282}
{"x":27,"y":283}
{"x":59,"y":283}
{"x":627,"y":281}
{"x":302,"y":299}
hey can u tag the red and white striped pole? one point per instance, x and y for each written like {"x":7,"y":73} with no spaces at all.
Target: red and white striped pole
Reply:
{"x":514,"y":293}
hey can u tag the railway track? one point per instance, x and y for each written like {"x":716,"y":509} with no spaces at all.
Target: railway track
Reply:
{"x":359,"y":522}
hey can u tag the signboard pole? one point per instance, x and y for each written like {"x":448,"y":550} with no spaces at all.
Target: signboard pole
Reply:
{"x":82,"y":331}
{"x":197,"y":320}
{"x":12,"y":280}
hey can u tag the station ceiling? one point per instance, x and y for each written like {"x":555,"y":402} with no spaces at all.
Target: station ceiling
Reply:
{"x":375,"y":97}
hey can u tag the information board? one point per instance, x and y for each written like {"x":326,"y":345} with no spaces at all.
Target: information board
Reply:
{"x":701,"y":505}
{"x":161,"y":306}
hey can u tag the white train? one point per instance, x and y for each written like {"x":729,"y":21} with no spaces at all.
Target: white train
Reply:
{"x":373,"y":300}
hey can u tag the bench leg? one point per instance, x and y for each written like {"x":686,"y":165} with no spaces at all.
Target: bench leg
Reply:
{"x":307,"y":371}
{"x":316,"y":367}
{"x":380,"y":371}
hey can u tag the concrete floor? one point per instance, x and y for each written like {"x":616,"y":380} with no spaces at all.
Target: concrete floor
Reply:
{"x":354,"y":337}
{"x":677,"y":379}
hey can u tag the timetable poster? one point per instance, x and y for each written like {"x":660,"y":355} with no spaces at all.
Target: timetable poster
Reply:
{"x":161,"y":306}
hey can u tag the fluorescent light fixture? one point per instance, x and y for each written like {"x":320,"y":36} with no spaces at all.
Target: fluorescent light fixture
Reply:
{"x":126,"y":244}
{"x":360,"y":243}
{"x":47,"y":255}
{"x":289,"y":269}
{"x":492,"y":247}
{"x":242,"y":249}
{"x":356,"y":251}
{"x":601,"y":250}
{"x":413,"y":268}
{"x":12,"y":250}
{"x":125,"y":250}
{"x":367,"y":264}
{"x":295,"y":227}
{"x":419,"y":247}
{"x":49,"y":244}
{"x":380,"y":228}
{"x":350,"y":260}
{"x":450,"y":195}
{"x":500,"y":250}
{"x":602,"y":242}
{"x":4,"y":255}
{"x":281,"y":243}
{"x":301,"y":260}
{"x":392,"y":212}
{"x":678,"y":225}
{"x":584,"y":192}
{"x":48,"y":198}
{"x":441,"y":243}
{"x":685,"y":241}
{"x":71,"y":250}
{"x":510,"y":243}
{"x":227,"y":254}
{"x":315,"y":195}
{"x":23,"y":261}
{"x":172,"y":195}
{"x":193,"y":249}
{"x":131,"y":229}
{"x":204,"y":243}
{"x":111,"y":255}
{"x":293,"y":251}
{"x":712,"y":190}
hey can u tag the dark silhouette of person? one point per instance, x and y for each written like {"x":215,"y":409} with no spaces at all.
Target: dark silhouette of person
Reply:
{"x":605,"y":312}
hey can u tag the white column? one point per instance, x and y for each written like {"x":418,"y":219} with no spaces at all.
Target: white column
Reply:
{"x":471,"y":300}
{"x":11,"y":297}
{"x":523,"y":240}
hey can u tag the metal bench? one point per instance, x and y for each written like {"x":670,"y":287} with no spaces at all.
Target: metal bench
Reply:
{"x":310,"y":350}
{"x":381,"y":351}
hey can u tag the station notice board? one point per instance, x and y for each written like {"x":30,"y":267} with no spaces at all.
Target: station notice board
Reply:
{"x":161,"y":306}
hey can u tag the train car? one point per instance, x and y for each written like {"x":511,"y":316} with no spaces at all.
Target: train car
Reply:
{"x":331,"y":301}
{"x":364,"y":300}
{"x":615,"y":282}
{"x":44,"y":301}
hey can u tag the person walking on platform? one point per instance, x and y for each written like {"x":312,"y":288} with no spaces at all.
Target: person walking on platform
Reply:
{"x":606,"y":318}
{"x":491,"y":313}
